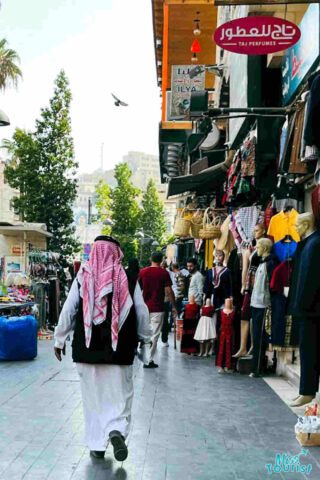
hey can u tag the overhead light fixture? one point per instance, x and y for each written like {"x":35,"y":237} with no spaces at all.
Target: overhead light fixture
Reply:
{"x":159,"y":79}
{"x":159,"y":63}
{"x":195,"y":48}
{"x":4,"y":120}
{"x":158,"y":42}
{"x":197,"y":31}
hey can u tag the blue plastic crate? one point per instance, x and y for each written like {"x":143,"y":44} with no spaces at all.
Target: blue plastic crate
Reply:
{"x":18,"y":338}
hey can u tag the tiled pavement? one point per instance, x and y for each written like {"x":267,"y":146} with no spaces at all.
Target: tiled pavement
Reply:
{"x":189,"y":423}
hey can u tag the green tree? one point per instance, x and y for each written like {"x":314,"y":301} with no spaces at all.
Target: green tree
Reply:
{"x":125,"y":211}
{"x":103,"y":204}
{"x":153,"y":222}
{"x":9,"y":70}
{"x":44,"y":169}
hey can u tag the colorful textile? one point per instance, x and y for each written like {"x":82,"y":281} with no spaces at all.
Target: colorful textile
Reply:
{"x":268,"y":214}
{"x":101,"y":275}
{"x":282,"y":224}
{"x":248,"y":161}
{"x":284,"y":250}
{"x":246,"y":219}
{"x":281,"y":277}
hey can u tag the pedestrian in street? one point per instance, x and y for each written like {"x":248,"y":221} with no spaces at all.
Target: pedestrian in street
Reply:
{"x":155,"y":282}
{"x":196,"y":282}
{"x":108,"y":316}
{"x":167,"y":308}
{"x":179,"y":288}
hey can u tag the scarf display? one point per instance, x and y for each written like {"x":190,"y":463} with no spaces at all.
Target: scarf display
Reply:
{"x":101,"y":275}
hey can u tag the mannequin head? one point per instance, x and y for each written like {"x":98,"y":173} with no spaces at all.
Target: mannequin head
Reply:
{"x":259,"y":231}
{"x":228,"y":304}
{"x":219,"y":257}
{"x":264,"y":246}
{"x":305,"y":224}
{"x":191,"y":299}
{"x":208,"y":302}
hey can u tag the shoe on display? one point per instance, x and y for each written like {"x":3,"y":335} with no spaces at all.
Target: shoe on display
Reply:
{"x":151,"y":365}
{"x":120,"y":449}
{"x":97,"y":453}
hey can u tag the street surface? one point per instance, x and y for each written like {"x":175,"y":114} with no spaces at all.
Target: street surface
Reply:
{"x":189,"y":423}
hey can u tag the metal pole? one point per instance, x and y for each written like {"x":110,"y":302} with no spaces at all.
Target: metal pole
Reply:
{"x":255,"y":110}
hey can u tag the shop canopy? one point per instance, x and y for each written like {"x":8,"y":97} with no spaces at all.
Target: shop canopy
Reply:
{"x":19,"y":230}
{"x":202,"y":182}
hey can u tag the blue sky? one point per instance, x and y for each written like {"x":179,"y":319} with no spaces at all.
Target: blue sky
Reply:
{"x":104,"y":46}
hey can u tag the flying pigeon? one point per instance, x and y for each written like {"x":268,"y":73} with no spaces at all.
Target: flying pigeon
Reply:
{"x":119,"y":102}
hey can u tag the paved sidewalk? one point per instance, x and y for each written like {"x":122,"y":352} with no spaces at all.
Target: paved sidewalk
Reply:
{"x":189,"y":423}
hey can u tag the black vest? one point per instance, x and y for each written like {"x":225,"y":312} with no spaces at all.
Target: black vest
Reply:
{"x":100,"y":348}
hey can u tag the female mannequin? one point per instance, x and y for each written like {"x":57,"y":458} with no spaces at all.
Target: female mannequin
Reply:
{"x":251,"y":261}
{"x":190,"y":322}
{"x":260,"y":300}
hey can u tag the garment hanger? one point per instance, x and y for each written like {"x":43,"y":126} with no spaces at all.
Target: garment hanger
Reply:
{"x":287,"y":239}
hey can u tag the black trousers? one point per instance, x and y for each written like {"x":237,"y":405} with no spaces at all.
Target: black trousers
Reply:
{"x":258,"y":337}
{"x":165,"y":326}
{"x":309,"y":342}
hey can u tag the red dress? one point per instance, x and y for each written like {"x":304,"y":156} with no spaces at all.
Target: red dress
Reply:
{"x":190,"y":322}
{"x":226,"y":340}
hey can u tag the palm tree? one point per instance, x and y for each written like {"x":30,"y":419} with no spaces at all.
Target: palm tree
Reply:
{"x":9,"y":70}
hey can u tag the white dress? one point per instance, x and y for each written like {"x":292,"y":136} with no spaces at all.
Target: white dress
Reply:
{"x":107,"y":390}
{"x":206,"y":329}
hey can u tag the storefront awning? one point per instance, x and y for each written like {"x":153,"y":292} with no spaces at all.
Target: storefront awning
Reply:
{"x":18,"y":230}
{"x":203,"y":181}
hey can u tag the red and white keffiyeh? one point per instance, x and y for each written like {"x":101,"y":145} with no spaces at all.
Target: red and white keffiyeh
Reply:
{"x":99,"y":276}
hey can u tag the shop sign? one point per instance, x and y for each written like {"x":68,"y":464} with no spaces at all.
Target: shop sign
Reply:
{"x":299,"y":60}
{"x":257,"y":35}
{"x":181,"y":87}
{"x":260,"y":2}
{"x":17,"y":250}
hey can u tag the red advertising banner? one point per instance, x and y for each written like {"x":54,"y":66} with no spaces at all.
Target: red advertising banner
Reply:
{"x":257,"y":35}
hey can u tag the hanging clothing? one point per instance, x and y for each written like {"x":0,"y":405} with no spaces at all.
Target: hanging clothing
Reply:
{"x":227,"y":337}
{"x":282,"y":224}
{"x":246,"y":219}
{"x":283,"y":250}
{"x":311,"y":130}
{"x":39,"y":292}
{"x":268,"y":214}
{"x":217,"y":286}
{"x":305,"y":281}
{"x":235,"y":267}
{"x":295,"y":165}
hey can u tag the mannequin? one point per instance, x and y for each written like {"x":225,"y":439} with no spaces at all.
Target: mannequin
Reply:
{"x":260,"y":300}
{"x":226,"y":338}
{"x":206,"y":330}
{"x":190,"y":322}
{"x":305,"y":306}
{"x":251,"y":261}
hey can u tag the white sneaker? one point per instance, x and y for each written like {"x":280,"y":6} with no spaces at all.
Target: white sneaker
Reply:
{"x":166,"y":344}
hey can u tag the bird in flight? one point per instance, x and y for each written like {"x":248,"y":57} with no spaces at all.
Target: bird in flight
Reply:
{"x":118,"y":102}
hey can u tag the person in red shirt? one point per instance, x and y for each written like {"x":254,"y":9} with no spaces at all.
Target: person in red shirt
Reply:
{"x":155,"y":283}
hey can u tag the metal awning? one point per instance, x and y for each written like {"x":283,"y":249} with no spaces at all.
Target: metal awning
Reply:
{"x":15,"y":231}
{"x":203,"y":181}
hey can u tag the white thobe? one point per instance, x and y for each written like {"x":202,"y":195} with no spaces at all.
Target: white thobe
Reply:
{"x":107,"y":390}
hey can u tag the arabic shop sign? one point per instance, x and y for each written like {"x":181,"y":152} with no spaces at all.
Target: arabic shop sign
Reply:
{"x":257,"y":35}
{"x":181,"y":87}
{"x":299,"y":60}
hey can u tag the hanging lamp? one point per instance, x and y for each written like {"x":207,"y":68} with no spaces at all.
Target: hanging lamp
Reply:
{"x":195,"y":48}
{"x":196,"y":30}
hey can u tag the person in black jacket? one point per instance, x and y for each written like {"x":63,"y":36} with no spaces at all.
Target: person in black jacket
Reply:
{"x":108,"y":317}
{"x":304,"y":305}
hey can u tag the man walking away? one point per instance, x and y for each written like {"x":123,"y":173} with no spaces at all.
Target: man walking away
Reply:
{"x":108,"y":316}
{"x":155,"y":282}
{"x":196,"y":282}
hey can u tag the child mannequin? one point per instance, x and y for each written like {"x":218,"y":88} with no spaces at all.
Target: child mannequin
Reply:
{"x":226,"y":338}
{"x":206,"y":331}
